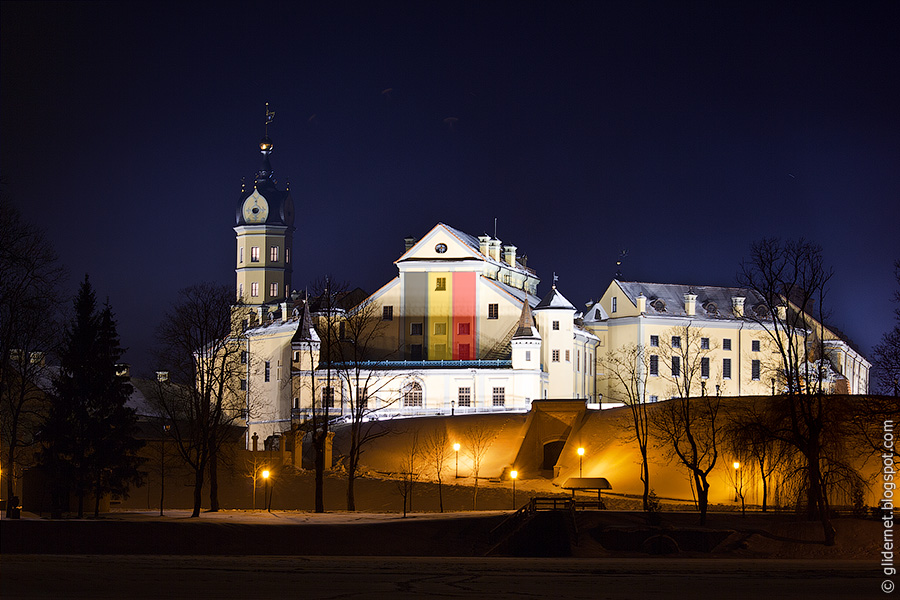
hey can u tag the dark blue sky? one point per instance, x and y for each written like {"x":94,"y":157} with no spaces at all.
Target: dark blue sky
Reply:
{"x":682,"y":132}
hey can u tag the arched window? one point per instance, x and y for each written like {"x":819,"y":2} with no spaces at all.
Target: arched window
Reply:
{"x":412,"y":394}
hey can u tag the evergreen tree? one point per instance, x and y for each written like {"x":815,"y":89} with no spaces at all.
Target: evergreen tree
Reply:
{"x":89,"y":432}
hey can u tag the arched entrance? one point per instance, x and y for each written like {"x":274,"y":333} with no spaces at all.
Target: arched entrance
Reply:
{"x":552,"y":450}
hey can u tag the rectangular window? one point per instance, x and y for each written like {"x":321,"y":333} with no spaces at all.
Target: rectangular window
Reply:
{"x":464,"y":352}
{"x":676,"y":341}
{"x":654,"y":341}
{"x":440,"y":284}
{"x":240,"y":291}
{"x":704,"y":367}
{"x":498,"y":397}
{"x":278,"y":371}
{"x":268,"y":371}
{"x":528,"y":356}
{"x":415,"y":351}
{"x":440,"y":350}
{"x":415,"y":329}
{"x":273,"y":253}
{"x":654,"y":365}
{"x":578,"y":360}
{"x":243,"y":357}
{"x":440,"y":329}
{"x":704,"y":343}
{"x":243,"y":385}
{"x":342,"y":330}
{"x":328,"y":396}
{"x":287,"y":255}
{"x":726,"y":344}
{"x":387,"y":313}
{"x":463,"y":329}
{"x":241,"y":254}
{"x":254,"y":254}
{"x":654,"y":398}
{"x":464,"y":397}
{"x":754,"y":370}
{"x":555,"y":356}
{"x":614,"y":303}
{"x":676,"y":366}
{"x":555,"y":325}
{"x":493,"y":311}
{"x":567,"y":355}
{"x":726,"y":368}
{"x":754,"y":345}
{"x":254,"y":289}
{"x":273,"y":290}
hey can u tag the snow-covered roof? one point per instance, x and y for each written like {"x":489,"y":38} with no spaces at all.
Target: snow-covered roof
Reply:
{"x":555,"y":300}
{"x":667,"y":299}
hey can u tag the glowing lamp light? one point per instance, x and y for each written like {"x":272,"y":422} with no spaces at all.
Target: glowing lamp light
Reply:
{"x":736,"y":465}
{"x":265,"y":474}
{"x":513,"y":474}
{"x":581,"y":452}
{"x":456,"y":447}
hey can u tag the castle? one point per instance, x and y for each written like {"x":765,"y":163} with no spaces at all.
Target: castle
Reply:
{"x":462,"y":329}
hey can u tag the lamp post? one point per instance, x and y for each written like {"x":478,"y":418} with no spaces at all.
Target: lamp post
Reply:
{"x":456,"y":449}
{"x":513,"y":475}
{"x":581,"y":462}
{"x":265,"y":476}
{"x":738,"y":487}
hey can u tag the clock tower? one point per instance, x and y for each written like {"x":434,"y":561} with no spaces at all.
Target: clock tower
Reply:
{"x":265,"y":224}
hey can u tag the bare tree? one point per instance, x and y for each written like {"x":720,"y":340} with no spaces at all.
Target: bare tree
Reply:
{"x":200,"y":349}
{"x":436,"y":452}
{"x":687,"y":354}
{"x":791,"y":281}
{"x":627,"y":369}
{"x":690,"y":429}
{"x":749,"y":441}
{"x":30,"y":280}
{"x":478,"y":439}
{"x":410,"y":467}
{"x":359,"y":364}
{"x":887,"y":351}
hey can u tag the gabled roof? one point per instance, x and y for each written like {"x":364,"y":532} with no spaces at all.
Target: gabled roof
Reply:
{"x":554,"y":300}
{"x":667,"y":299}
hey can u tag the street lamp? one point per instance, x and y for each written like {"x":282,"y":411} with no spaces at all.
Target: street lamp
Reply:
{"x":581,"y":462}
{"x":456,"y":449}
{"x":513,"y":475}
{"x":265,"y":476}
{"x":738,"y":487}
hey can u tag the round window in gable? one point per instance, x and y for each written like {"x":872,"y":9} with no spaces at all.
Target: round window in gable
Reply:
{"x":440,"y":248}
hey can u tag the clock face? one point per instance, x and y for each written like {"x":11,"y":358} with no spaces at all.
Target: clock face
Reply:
{"x":440,"y":248}
{"x":256,"y":209}
{"x":287,"y":211}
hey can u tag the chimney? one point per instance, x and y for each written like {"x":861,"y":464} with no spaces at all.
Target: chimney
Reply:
{"x":509,"y":255}
{"x":409,"y":242}
{"x":690,"y":303}
{"x":284,"y":312}
{"x":737,"y":306}
{"x":494,"y":249}
{"x":260,"y":314}
{"x":642,"y":303}
{"x":781,"y":311}
{"x":483,"y":242}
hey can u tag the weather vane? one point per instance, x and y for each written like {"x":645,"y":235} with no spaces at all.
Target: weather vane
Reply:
{"x":622,"y":256}
{"x":270,"y":114}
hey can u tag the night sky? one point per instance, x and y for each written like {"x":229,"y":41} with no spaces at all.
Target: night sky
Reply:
{"x":681,"y":132}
